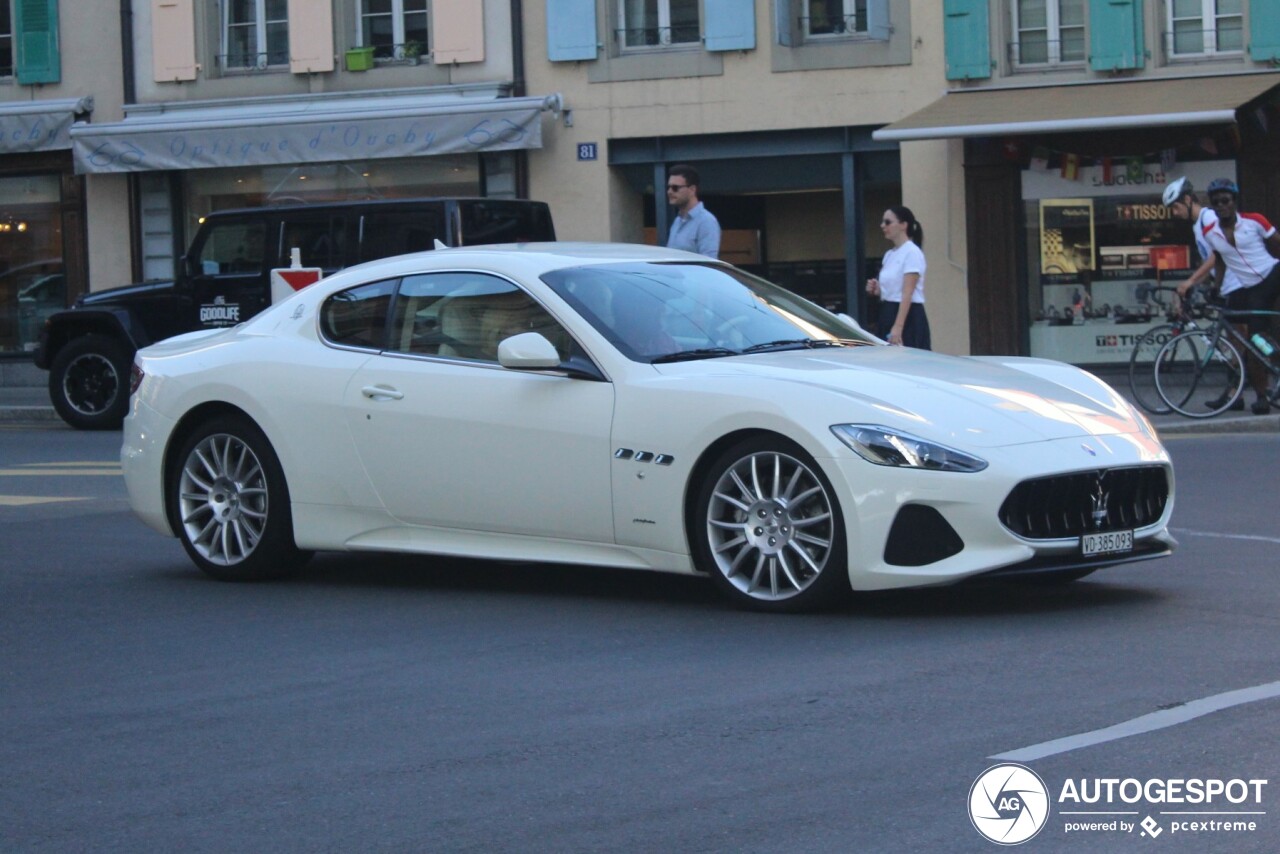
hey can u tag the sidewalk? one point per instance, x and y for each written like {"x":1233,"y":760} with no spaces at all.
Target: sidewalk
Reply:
{"x":24,"y":397}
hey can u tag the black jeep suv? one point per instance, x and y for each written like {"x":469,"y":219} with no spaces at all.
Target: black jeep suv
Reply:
{"x":225,"y":278}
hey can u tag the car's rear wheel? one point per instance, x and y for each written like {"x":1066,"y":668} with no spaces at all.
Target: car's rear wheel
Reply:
{"x":769,"y":529}
{"x":230,"y":503}
{"x":89,"y":383}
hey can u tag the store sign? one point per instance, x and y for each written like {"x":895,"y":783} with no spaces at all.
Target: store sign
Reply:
{"x":1091,"y":181}
{"x":205,"y":146}
{"x":25,"y":132}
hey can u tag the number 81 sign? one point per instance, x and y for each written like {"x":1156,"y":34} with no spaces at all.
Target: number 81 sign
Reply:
{"x":588,"y":150}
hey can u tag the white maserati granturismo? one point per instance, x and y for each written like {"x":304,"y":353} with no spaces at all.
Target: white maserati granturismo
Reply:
{"x":631,"y":407}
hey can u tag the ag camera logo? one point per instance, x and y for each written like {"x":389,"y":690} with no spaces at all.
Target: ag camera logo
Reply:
{"x":1008,"y":803}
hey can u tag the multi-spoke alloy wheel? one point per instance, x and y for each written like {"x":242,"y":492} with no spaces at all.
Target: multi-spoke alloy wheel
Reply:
{"x":771,"y":529}
{"x":224,"y":499}
{"x":230,"y":504}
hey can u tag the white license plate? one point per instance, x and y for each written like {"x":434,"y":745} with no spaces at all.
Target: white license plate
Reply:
{"x":1111,"y":542}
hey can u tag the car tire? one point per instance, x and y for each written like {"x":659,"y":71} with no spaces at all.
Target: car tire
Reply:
{"x":768,"y":529}
{"x":229,"y":503}
{"x":89,"y":382}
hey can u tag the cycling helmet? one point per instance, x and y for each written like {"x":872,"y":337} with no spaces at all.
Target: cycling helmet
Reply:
{"x":1176,"y":190}
{"x":1223,"y":185}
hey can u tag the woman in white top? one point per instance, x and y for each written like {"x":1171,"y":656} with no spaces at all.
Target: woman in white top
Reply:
{"x":901,"y":283}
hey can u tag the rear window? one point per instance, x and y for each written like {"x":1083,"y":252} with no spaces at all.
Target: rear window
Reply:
{"x":388,"y":233}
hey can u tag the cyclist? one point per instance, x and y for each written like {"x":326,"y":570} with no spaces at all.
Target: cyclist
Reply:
{"x":1247,"y":245}
{"x":1181,"y":200}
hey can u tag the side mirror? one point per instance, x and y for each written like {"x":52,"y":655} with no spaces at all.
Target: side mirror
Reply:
{"x":528,"y":351}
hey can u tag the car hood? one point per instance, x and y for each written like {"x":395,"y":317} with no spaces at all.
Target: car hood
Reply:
{"x":982,"y":402}
{"x":125,"y":292}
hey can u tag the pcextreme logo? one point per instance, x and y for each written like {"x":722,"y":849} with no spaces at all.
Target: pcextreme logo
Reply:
{"x":1008,"y":803}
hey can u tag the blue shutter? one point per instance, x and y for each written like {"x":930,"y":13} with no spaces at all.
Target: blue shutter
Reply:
{"x":1264,"y":30}
{"x":1115,"y":35}
{"x":966,"y":32}
{"x":731,"y":24}
{"x":878,"y":26}
{"x":35,"y":36}
{"x":782,"y":21}
{"x":571,"y":30}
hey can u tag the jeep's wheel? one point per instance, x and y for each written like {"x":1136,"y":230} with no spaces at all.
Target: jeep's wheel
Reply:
{"x":89,"y":383}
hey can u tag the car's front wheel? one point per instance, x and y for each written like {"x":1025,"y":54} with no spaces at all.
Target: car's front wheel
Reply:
{"x":769,"y":529}
{"x":89,"y":383}
{"x":230,"y":503}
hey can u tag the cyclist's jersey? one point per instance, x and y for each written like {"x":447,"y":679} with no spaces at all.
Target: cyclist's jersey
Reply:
{"x":1207,"y":219}
{"x":1248,"y":258}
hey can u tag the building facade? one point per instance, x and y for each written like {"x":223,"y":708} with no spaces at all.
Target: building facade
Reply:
{"x":1074,"y":115}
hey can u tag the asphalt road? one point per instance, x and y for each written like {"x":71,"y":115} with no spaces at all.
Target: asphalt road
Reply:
{"x":397,"y":704}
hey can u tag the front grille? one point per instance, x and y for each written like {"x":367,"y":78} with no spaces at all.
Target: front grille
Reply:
{"x":1068,"y":505}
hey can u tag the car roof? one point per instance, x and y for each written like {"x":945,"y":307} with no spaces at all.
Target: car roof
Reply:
{"x":371,"y":203}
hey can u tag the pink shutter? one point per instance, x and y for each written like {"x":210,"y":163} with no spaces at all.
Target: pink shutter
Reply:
{"x":173,"y":40}
{"x":310,"y":36}
{"x":457,"y":31}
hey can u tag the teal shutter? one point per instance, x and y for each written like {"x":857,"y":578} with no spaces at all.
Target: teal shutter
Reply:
{"x":1264,"y":30}
{"x":731,"y":24}
{"x":35,"y":35}
{"x":967,"y":36}
{"x":1115,"y":35}
{"x":571,"y":30}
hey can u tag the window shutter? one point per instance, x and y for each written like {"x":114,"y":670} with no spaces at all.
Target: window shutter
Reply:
{"x":968,"y":39}
{"x":878,"y":27}
{"x":1115,"y":35}
{"x":173,"y":40}
{"x":457,"y":31}
{"x":1264,"y":32}
{"x":571,"y":30}
{"x":731,"y":24}
{"x":36,"y":39}
{"x":783,"y":21}
{"x":310,"y":36}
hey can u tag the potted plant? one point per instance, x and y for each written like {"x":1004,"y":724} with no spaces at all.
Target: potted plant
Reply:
{"x":411,"y":51}
{"x":359,"y":59}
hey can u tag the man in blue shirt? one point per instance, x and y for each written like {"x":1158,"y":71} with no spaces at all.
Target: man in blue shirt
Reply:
{"x":695,"y":229}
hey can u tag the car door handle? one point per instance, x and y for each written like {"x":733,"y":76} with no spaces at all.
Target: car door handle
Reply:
{"x":381,"y":392}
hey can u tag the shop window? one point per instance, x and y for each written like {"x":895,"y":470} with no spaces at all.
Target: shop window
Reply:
{"x":32,"y":277}
{"x":395,"y":29}
{"x":657,"y":23}
{"x":1199,"y":28}
{"x":255,"y":34}
{"x":1047,"y":32}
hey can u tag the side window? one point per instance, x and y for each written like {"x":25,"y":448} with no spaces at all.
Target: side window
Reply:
{"x":397,"y":232}
{"x":323,"y":242}
{"x":233,"y":248}
{"x":466,"y":316}
{"x":357,"y":317}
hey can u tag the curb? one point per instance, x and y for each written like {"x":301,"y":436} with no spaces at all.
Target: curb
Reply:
{"x":28,"y":414}
{"x":1237,"y":424}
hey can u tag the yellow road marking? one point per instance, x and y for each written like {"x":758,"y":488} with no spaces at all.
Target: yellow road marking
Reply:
{"x":27,"y":500}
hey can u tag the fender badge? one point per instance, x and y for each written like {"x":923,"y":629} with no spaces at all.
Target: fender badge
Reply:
{"x":297,"y":312}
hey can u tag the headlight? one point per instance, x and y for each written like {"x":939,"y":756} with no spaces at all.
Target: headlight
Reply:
{"x":885,"y":446}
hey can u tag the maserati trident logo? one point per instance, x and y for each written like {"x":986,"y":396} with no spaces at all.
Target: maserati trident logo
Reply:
{"x":1099,"y":500}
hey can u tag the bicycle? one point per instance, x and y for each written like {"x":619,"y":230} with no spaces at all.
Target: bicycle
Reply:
{"x":1181,"y":316}
{"x":1200,"y":373}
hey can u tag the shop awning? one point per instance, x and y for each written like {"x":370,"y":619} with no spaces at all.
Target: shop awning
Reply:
{"x":39,"y":125}
{"x":310,"y":129}
{"x":1085,"y":107}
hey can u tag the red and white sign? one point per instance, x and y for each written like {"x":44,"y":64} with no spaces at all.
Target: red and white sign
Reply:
{"x":286,"y":281}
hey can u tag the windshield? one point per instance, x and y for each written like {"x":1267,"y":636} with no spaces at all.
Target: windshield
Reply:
{"x":673,"y":311}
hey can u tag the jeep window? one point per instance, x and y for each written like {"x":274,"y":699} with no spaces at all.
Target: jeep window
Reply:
{"x":498,"y":221}
{"x":323,"y":242}
{"x":390,"y":233}
{"x":232,"y":247}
